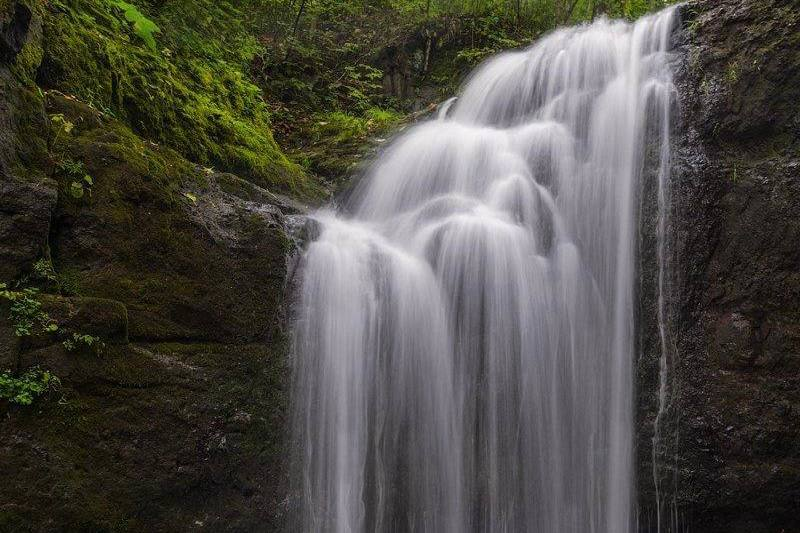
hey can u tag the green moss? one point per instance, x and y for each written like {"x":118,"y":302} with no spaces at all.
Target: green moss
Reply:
{"x":138,"y":239}
{"x":180,"y":399}
{"x":29,"y":58}
{"x":70,"y":283}
{"x":204,"y":107}
{"x":333,"y":143}
{"x":23,"y":145}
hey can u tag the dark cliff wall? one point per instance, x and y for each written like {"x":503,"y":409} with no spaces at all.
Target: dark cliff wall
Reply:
{"x":729,"y":453}
{"x":177,"y":424}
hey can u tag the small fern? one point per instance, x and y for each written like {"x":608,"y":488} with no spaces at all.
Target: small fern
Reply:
{"x":142,"y":26}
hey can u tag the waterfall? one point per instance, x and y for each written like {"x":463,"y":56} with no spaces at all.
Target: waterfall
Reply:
{"x":465,"y":333}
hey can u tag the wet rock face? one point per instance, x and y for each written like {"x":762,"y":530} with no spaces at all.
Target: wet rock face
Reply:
{"x":730,"y":461}
{"x":178,"y":423}
{"x":14,"y":31}
{"x":25,"y":212}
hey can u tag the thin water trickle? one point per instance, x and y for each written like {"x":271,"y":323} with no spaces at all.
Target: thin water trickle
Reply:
{"x":465,"y":338}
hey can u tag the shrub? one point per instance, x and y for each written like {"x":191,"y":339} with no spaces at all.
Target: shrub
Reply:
{"x":25,"y":388}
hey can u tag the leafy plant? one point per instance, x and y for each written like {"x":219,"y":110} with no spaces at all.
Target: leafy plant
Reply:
{"x":24,"y":389}
{"x":43,"y":269}
{"x":45,"y":275}
{"x":62,"y":125}
{"x":79,"y":188}
{"x":26,"y":314}
{"x":142,"y":26}
{"x":83,"y":340}
{"x":71,"y":167}
{"x":81,"y":182}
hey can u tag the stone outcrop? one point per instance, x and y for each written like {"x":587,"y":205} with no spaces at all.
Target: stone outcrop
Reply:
{"x":178,"y":422}
{"x":728,"y":458}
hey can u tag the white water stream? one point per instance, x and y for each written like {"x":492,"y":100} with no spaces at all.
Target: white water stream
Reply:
{"x":465,"y":339}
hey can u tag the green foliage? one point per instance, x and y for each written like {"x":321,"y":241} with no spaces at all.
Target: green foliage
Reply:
{"x":342,"y":127}
{"x":339,"y":126}
{"x":26,"y":312}
{"x":379,"y":120}
{"x":45,"y":276}
{"x":29,"y":319}
{"x":84,"y":341}
{"x":79,"y":181}
{"x":314,"y":61}
{"x":472,"y":56}
{"x":333,"y":142}
{"x":62,"y":126}
{"x":193,"y":95}
{"x":25,"y":388}
{"x":43,"y":270}
{"x":142,"y":26}
{"x":359,"y":84}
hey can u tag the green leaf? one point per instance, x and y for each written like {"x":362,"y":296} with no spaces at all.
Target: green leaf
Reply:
{"x":25,"y":388}
{"x":142,"y":26}
{"x":76,"y":190}
{"x":88,"y":179}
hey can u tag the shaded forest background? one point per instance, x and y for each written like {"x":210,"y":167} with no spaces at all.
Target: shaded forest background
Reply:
{"x":338,"y":72}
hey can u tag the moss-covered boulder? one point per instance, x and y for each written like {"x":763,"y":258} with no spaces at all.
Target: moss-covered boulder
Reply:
{"x":188,"y":259}
{"x":141,"y":245}
{"x":168,"y":437}
{"x":27,"y":195}
{"x":98,"y":317}
{"x":153,"y":67}
{"x":147,"y":248}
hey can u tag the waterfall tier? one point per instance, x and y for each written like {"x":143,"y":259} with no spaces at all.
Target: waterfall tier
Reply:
{"x":465,"y":337}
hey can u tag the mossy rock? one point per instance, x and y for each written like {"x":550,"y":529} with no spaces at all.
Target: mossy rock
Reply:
{"x":187,"y":259}
{"x":23,"y":147}
{"x":99,"y":317}
{"x":149,"y":436}
{"x":25,"y":224}
{"x":169,"y":437}
{"x":203,"y":107}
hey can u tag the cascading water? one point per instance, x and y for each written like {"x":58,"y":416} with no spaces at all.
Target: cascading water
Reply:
{"x":465,"y":336}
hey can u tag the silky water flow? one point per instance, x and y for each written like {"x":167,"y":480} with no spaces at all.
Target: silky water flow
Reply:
{"x":465,"y":334}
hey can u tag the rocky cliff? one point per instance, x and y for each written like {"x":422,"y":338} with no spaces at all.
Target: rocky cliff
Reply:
{"x":727,"y":452}
{"x":148,"y":290}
